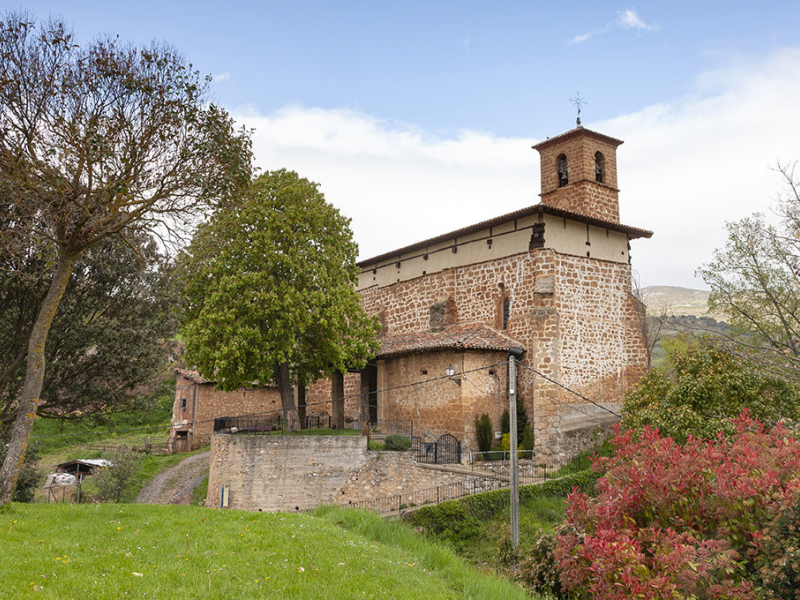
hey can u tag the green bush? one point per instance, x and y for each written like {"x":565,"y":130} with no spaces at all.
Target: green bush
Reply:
{"x":30,"y":476}
{"x":397,"y":442}
{"x":483,"y":430}
{"x":527,"y":440}
{"x":706,"y":389}
{"x":780,"y":571}
{"x":505,"y":422}
{"x":538,"y":570}
{"x":114,"y":482}
{"x":435,"y":519}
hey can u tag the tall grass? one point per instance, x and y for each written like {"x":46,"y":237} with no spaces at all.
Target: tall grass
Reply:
{"x":91,"y":552}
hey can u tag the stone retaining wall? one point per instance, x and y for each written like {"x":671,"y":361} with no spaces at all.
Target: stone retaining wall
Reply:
{"x":290,"y":473}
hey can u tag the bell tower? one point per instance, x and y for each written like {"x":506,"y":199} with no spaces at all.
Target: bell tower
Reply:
{"x":579,"y":173}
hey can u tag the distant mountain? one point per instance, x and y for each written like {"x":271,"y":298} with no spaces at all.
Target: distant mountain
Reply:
{"x":676,"y":301}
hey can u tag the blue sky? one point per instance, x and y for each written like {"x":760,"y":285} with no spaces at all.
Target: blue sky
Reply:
{"x":417,"y":117}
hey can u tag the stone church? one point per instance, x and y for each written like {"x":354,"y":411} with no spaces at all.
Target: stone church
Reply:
{"x":552,"y":280}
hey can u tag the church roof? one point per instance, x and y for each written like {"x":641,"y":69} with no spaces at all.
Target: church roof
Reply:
{"x":632,"y":232}
{"x":574,"y":133}
{"x":471,"y":336}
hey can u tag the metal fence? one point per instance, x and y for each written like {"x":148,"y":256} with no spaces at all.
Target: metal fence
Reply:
{"x":491,"y":473}
{"x":498,"y":464}
{"x":445,"y":450}
{"x":321,"y":424}
{"x":434,"y":495}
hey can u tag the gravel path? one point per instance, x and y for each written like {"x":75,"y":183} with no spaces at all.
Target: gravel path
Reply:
{"x":175,"y":485}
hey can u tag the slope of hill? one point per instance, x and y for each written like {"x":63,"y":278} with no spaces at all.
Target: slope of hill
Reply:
{"x":672,"y":300}
{"x":139,"y":551}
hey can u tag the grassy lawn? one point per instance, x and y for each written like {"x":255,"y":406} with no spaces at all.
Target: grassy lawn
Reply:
{"x":536,"y":515}
{"x":113,"y":551}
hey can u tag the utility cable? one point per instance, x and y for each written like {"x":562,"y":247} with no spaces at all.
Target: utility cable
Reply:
{"x":578,"y":394}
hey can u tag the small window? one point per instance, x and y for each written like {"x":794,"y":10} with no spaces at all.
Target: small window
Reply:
{"x":183,"y":403}
{"x":599,"y":167}
{"x":506,"y":312}
{"x":563,"y":170}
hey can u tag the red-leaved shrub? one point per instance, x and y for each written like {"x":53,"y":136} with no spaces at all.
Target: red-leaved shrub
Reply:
{"x":673,"y":521}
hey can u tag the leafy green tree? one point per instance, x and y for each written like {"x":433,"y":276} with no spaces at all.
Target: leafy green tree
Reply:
{"x":114,"y":482}
{"x":705,"y":390}
{"x":98,"y":141}
{"x":755,"y":282}
{"x":108,"y":337}
{"x":483,"y":431}
{"x":270,"y":291}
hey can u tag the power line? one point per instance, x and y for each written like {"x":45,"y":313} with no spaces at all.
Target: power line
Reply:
{"x":578,"y":394}
{"x":280,"y":411}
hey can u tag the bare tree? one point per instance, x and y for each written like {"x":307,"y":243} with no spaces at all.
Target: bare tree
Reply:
{"x":652,"y":323}
{"x":755,"y":282}
{"x":94,"y":142}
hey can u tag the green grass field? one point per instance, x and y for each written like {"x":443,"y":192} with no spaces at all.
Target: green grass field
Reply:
{"x":115,"y":551}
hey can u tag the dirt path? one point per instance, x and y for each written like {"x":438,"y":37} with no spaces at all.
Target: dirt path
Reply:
{"x":175,"y":485}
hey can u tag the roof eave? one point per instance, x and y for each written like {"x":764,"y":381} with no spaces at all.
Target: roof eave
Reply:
{"x":632,"y":232}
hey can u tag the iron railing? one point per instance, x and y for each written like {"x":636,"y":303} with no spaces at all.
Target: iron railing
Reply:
{"x":428,"y":496}
{"x":498,"y":464}
{"x":445,"y":450}
{"x":272,"y":424}
{"x":487,"y":481}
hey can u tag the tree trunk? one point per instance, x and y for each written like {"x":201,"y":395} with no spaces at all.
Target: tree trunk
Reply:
{"x":301,"y":403}
{"x":363,"y":411}
{"x":34,"y":377}
{"x":337,"y":392}
{"x":284,"y":382}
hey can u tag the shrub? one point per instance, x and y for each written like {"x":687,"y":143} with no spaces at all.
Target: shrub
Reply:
{"x":114,"y":482}
{"x":397,"y":442}
{"x":706,"y":389}
{"x":505,"y":443}
{"x":30,"y":476}
{"x":505,"y":422}
{"x":679,"y":521}
{"x":527,"y":440}
{"x":780,"y":563}
{"x":483,"y":430}
{"x":538,"y":569}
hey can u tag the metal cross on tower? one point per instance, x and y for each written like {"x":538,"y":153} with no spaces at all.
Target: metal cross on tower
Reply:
{"x":579,"y":103}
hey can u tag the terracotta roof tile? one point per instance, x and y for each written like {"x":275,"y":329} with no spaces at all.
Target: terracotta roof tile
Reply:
{"x":579,"y":130}
{"x":474,"y":336}
{"x":193,"y":376}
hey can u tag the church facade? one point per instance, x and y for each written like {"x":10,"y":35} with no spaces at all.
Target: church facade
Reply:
{"x":552,"y":280}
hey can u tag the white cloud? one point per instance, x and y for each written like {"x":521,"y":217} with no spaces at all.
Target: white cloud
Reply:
{"x":582,"y":37}
{"x":222,"y":76}
{"x":626,"y":19}
{"x":630,"y":20}
{"x":687,"y":166}
{"x":466,"y":43}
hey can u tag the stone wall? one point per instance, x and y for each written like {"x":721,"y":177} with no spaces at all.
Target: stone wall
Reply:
{"x":204,"y":403}
{"x":290,"y":473}
{"x":574,"y":315}
{"x":438,"y":405}
{"x":583,"y":194}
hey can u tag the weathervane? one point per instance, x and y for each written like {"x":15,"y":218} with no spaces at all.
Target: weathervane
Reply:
{"x":579,"y":103}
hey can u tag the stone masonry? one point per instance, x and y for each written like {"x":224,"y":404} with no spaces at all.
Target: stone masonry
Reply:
{"x":198,"y":403}
{"x":291,"y":473}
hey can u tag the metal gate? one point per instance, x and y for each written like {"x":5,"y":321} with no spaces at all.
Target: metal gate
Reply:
{"x":445,"y":450}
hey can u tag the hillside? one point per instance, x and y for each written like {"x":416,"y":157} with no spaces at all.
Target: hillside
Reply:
{"x":111,"y":551}
{"x":672,"y":300}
